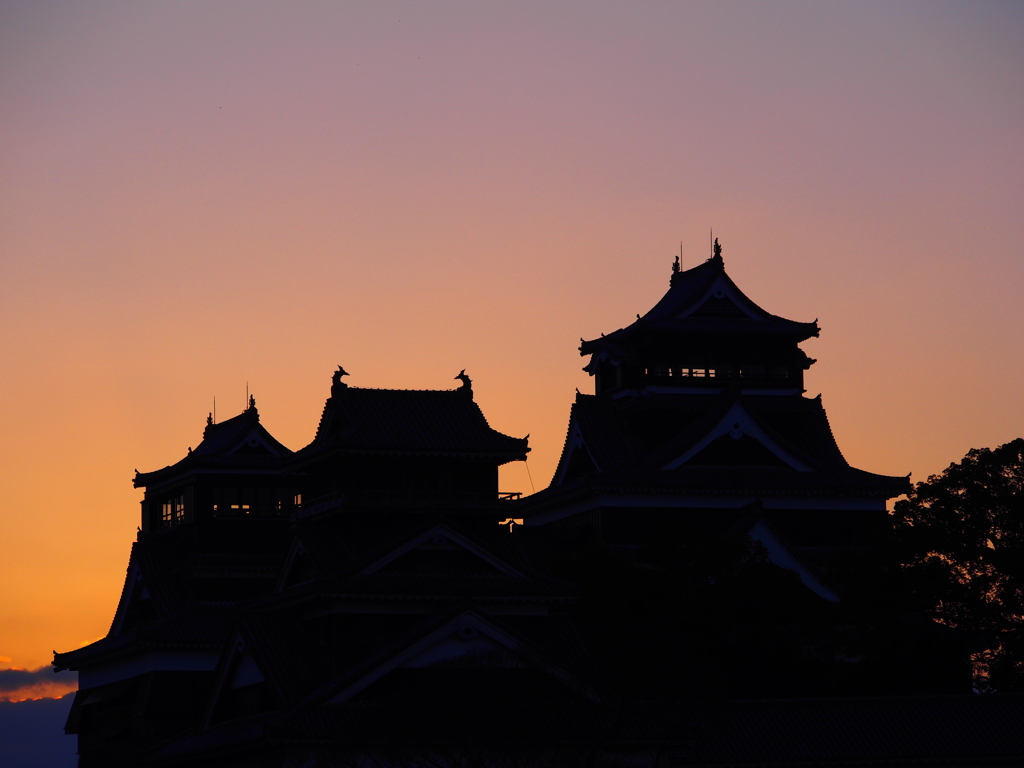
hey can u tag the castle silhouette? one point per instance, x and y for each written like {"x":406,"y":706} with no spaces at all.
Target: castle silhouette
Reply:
{"x":706,"y":581}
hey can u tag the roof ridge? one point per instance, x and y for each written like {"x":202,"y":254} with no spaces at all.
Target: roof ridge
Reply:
{"x":388,"y":389}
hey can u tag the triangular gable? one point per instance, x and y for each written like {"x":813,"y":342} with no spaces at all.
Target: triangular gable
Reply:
{"x":441,"y":536}
{"x":240,"y":437}
{"x":256,"y":442}
{"x":468,"y":636}
{"x":136,"y":606}
{"x":780,"y":555}
{"x":225,"y":669}
{"x":297,"y":569}
{"x":240,"y":687}
{"x":722,"y":299}
{"x":736,"y":424}
{"x":576,"y":461}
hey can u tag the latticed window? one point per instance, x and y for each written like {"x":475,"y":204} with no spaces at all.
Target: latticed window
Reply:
{"x":179,"y":509}
{"x":172,"y":511}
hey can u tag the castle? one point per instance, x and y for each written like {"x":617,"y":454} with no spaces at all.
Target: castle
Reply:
{"x":706,"y":580}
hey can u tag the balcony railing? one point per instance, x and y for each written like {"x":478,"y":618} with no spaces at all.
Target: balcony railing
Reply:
{"x":276,"y":509}
{"x":402,"y":499}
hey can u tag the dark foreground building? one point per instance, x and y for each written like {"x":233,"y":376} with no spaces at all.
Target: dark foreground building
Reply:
{"x":705,"y":582}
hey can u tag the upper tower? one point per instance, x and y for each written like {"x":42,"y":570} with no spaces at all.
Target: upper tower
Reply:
{"x":235,"y":472}
{"x":704,"y":336}
{"x":700,"y":406}
{"x":390,"y":446}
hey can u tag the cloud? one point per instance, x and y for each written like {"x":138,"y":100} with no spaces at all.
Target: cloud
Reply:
{"x":18,"y":684}
{"x":5,"y":659}
{"x":32,"y":733}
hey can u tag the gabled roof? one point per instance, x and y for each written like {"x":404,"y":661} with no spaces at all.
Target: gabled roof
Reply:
{"x":701,"y":300}
{"x":241,"y":443}
{"x":451,"y":643}
{"x":667,"y":444}
{"x":271,"y":645}
{"x":447,"y":635}
{"x":409,"y":422}
{"x":438,"y":536}
{"x":419,"y":558}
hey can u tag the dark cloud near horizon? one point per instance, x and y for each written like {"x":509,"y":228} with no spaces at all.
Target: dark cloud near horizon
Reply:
{"x":15,"y":679}
{"x":32,"y":732}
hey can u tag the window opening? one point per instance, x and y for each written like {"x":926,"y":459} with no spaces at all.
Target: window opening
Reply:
{"x":172,"y":511}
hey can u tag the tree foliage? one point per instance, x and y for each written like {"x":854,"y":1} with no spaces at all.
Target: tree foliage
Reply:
{"x":961,"y":538}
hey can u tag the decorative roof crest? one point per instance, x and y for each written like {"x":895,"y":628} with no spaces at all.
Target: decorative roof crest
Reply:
{"x":336,"y":383}
{"x":467,"y":384}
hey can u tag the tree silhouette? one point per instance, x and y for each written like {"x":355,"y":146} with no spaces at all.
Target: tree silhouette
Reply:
{"x":961,"y":538}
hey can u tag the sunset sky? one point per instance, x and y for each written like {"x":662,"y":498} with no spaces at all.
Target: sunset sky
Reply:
{"x":199,"y":195}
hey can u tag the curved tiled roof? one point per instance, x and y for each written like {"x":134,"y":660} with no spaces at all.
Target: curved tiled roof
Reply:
{"x":399,"y":421}
{"x":240,"y":443}
{"x":632,"y":442}
{"x":702,"y":300}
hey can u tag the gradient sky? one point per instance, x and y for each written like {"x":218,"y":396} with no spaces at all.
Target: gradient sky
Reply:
{"x":196,"y":195}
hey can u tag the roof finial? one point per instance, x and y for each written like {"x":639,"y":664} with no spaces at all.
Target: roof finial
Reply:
{"x":252,"y":402}
{"x":717,"y":251}
{"x":336,"y":383}
{"x":677,"y":264}
{"x":467,"y":383}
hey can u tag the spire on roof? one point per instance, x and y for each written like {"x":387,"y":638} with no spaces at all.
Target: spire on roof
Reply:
{"x":717,"y":252}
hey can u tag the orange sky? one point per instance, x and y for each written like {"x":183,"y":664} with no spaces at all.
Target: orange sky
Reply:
{"x":194,"y":195}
